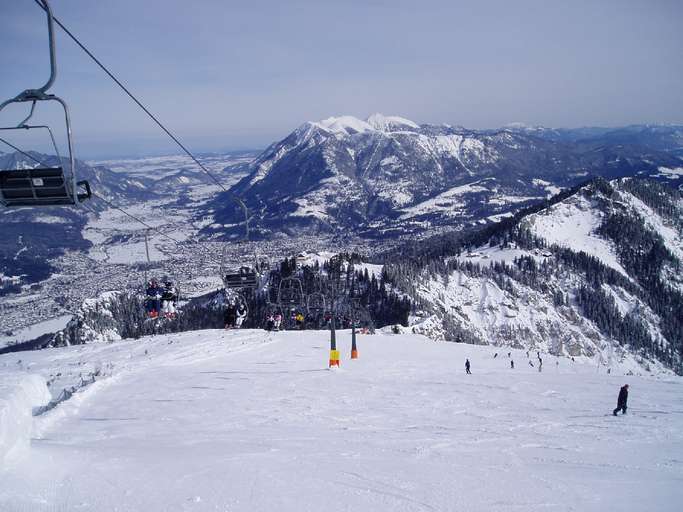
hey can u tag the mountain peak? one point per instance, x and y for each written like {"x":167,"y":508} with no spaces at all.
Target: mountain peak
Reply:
{"x":350,"y":125}
{"x":390,"y":123}
{"x":345,"y":125}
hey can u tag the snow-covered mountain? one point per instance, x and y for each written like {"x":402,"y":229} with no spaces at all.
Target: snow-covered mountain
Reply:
{"x":388,"y":175}
{"x":596,"y":273}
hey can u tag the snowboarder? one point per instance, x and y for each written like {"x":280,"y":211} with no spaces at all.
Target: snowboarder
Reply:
{"x":241,"y":315}
{"x":230,"y":315}
{"x":467,"y":367}
{"x":512,"y":364}
{"x":621,"y":401}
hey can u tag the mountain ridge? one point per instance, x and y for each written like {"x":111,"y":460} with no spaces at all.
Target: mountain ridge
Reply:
{"x":372,"y":175}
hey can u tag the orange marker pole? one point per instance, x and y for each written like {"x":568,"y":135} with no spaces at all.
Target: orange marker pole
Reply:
{"x":354,"y":349}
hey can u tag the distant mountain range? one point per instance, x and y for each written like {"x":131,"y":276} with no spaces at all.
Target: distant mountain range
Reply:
{"x":390,"y":177}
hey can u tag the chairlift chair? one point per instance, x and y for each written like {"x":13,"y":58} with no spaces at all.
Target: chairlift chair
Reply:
{"x":244,"y":278}
{"x":315,"y":302}
{"x":43,"y":185}
{"x":291,"y":292}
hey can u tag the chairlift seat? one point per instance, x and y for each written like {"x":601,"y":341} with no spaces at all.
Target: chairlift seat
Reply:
{"x":241,"y":280}
{"x":39,"y":187}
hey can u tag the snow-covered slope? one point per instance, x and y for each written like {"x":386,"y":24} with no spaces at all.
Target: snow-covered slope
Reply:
{"x":245,"y":420}
{"x":597,"y":274}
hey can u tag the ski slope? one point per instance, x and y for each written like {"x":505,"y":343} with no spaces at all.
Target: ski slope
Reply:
{"x":252,"y":421}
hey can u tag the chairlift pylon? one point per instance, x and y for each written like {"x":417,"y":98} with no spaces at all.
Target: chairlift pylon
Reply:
{"x":43,"y":185}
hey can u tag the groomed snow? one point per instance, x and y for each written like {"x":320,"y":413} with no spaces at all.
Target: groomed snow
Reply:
{"x":246,"y":421}
{"x":19,"y":393}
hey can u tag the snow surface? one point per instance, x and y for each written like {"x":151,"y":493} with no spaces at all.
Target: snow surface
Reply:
{"x":19,"y":393}
{"x":245,"y":421}
{"x":448,"y":202}
{"x":572,"y":223}
{"x":35,"y":330}
{"x":390,"y":123}
{"x":345,"y":125}
{"x":670,"y":173}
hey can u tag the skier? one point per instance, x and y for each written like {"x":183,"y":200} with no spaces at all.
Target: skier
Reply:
{"x":168,"y":300}
{"x":495,"y":355}
{"x":277,"y":321}
{"x":153,"y":300}
{"x":530,"y":363}
{"x":467,"y":367}
{"x":270,"y":322}
{"x":509,"y":354}
{"x":621,"y":401}
{"x":512,"y":364}
{"x":229,"y":315}
{"x":241,"y":315}
{"x":299,"y":318}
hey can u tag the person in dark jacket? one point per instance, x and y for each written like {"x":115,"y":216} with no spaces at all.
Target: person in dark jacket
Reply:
{"x":621,"y":401}
{"x":467,"y":367}
{"x":230,"y":315}
{"x":270,"y":322}
{"x":153,"y":299}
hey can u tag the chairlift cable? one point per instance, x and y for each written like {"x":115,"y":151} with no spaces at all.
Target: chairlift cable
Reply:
{"x":152,"y":116}
{"x":148,"y":226}
{"x":106,"y":201}
{"x":18,"y":150}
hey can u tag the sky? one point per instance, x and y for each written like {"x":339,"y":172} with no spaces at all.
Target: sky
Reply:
{"x":227,"y":75}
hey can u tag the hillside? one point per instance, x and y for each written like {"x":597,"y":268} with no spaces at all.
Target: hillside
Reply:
{"x":597,"y":272}
{"x":243,"y":421}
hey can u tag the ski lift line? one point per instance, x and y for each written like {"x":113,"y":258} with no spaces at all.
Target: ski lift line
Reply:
{"x":43,"y":6}
{"x":148,"y":226}
{"x":21,"y":151}
{"x":108,"y":203}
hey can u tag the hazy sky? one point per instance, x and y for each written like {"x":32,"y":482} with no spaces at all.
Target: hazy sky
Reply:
{"x":229,"y":75}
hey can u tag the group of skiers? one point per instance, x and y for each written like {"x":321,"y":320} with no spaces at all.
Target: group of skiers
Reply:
{"x":234,"y":315}
{"x":273,"y":321}
{"x":161,"y":300}
{"x":296,"y":320}
{"x":622,"y":399}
